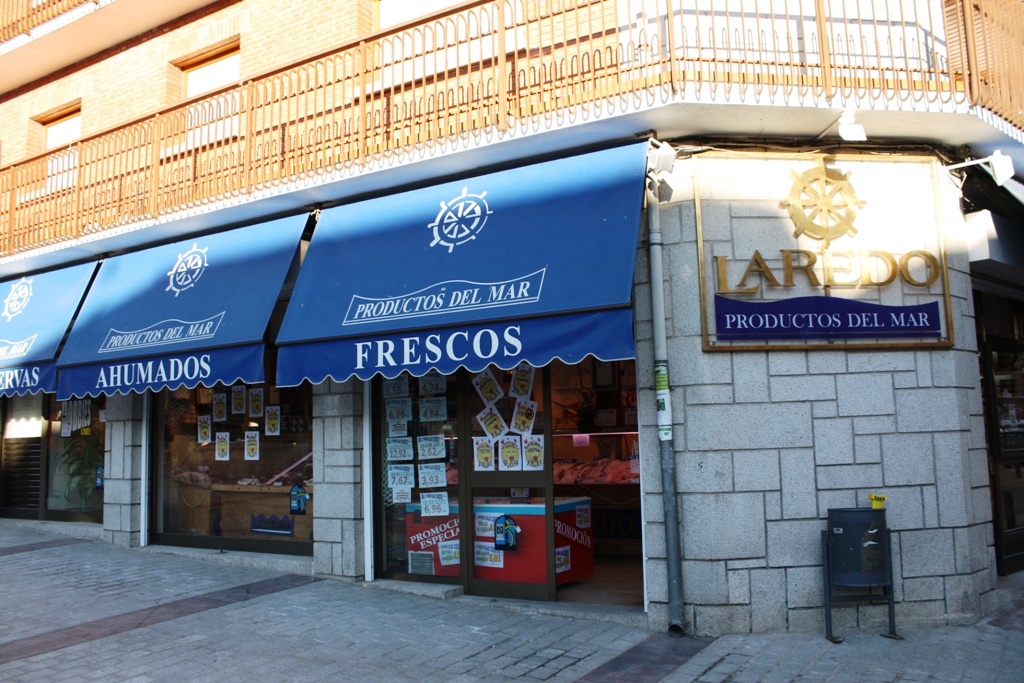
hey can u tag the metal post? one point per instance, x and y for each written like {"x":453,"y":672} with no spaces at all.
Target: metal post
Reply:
{"x":827,"y":580}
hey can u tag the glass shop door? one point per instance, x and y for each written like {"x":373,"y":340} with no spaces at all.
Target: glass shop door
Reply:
{"x":1003,"y":382}
{"x":509,"y":502}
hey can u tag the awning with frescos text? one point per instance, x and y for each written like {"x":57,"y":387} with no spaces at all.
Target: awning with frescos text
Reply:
{"x":528,"y":264}
{"x":37,"y":311}
{"x":182,"y":314}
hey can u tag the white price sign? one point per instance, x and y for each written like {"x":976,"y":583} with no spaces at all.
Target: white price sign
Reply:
{"x":448,"y":552}
{"x":432,"y":475}
{"x":430,"y":447}
{"x":433,"y":383}
{"x":400,"y":476}
{"x":397,"y":387}
{"x":399,"y":448}
{"x":433,"y":409}
{"x":434,"y":504}
{"x":398,"y":409}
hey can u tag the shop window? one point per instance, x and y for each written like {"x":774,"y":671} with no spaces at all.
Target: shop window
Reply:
{"x":75,"y":455}
{"x":53,"y":457}
{"x":419,"y":436}
{"x":236,"y":467}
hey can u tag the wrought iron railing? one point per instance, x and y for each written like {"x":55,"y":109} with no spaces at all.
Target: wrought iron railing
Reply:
{"x":494,"y":65}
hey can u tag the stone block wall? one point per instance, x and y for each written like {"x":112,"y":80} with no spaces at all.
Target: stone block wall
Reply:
{"x":767,"y":441}
{"x":122,"y":470}
{"x":337,"y":478}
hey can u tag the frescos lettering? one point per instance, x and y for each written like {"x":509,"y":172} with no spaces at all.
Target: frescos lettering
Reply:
{"x":428,"y":348}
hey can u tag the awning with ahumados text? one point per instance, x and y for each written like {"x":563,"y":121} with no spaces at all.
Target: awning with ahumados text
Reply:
{"x":528,"y":264}
{"x":37,"y":311}
{"x":182,"y":314}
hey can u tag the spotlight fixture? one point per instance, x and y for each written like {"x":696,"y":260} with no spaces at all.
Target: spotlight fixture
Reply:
{"x":999,"y":166}
{"x":849,"y":129}
{"x":660,"y":156}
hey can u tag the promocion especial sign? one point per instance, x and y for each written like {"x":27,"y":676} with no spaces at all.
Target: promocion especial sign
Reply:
{"x":822,"y":204}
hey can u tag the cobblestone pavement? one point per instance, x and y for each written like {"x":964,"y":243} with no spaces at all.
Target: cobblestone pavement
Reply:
{"x":322,"y":631}
{"x":85,"y":611}
{"x":990,"y":651}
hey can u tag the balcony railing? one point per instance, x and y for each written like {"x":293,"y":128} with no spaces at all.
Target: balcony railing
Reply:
{"x":21,"y":16}
{"x":504,"y":63}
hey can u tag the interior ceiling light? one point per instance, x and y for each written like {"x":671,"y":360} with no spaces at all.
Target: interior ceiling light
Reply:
{"x":999,"y":166}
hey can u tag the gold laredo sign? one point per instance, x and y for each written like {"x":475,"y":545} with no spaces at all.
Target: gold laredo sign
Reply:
{"x":850,"y":263}
{"x":824,"y":206}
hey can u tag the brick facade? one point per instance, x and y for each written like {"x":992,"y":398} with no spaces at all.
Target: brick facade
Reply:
{"x":272,"y":33}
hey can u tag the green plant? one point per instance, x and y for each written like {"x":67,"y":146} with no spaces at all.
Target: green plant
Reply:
{"x":82,"y":455}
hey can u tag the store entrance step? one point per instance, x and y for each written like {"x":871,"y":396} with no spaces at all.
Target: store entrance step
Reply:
{"x":441,"y":591}
{"x":633,"y":617}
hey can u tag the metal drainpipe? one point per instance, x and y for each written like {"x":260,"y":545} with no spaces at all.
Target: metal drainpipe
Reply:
{"x":668,"y":460}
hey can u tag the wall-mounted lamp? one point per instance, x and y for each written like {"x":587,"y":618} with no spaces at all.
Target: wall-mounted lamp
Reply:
{"x":849,"y":129}
{"x":999,"y":166}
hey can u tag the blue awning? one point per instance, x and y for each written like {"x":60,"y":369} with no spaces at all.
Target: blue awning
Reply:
{"x":37,"y":311}
{"x":529,"y":264}
{"x":193,"y":312}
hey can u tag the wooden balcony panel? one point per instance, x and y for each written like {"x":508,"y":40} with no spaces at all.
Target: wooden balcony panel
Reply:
{"x":114,"y":178}
{"x":498,"y":64}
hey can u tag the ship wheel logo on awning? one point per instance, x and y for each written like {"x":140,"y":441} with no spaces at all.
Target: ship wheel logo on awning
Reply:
{"x":18,"y":298}
{"x":460,"y":220}
{"x":822,"y":204}
{"x":187,"y":271}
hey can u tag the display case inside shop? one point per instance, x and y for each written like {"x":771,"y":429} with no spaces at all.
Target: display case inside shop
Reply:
{"x":594,"y":423}
{"x":237,"y":462}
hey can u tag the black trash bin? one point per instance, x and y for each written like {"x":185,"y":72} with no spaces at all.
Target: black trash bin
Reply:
{"x":856,"y":552}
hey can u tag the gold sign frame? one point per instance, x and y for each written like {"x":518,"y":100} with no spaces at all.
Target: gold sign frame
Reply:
{"x":714,"y":345}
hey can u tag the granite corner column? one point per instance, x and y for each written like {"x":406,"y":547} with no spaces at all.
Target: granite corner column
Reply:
{"x":122,"y":470}
{"x":337,"y":478}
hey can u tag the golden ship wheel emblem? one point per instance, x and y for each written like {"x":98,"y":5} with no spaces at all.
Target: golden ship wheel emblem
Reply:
{"x":822,"y":203}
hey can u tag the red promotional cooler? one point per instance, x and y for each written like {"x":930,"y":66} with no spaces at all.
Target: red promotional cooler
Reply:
{"x":574,"y":539}
{"x":574,"y":542}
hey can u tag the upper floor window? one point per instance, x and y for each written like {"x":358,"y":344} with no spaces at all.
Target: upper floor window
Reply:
{"x":212,"y":70}
{"x":63,"y":128}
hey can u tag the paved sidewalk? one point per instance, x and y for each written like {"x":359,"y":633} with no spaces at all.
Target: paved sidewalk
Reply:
{"x":80,"y":610}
